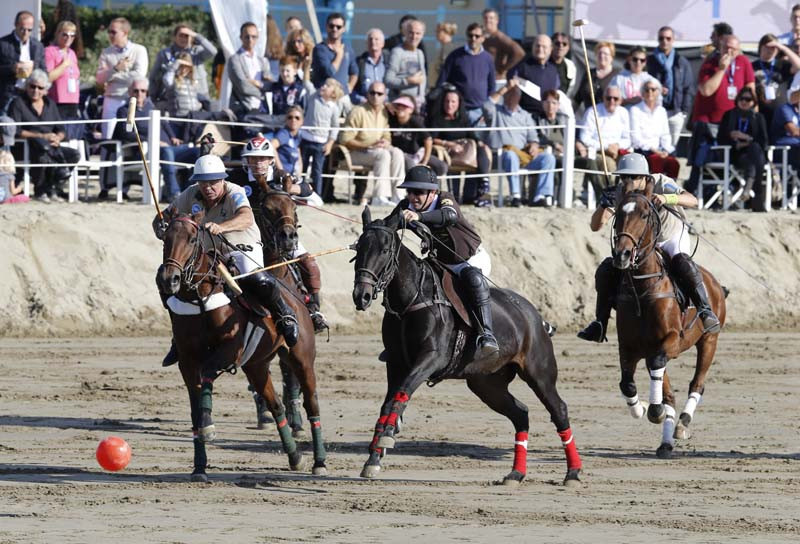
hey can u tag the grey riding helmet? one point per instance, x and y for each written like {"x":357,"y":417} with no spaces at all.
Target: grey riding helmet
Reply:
{"x":421,"y":178}
{"x":632,"y":164}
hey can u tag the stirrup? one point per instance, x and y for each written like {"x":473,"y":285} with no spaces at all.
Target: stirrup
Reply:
{"x":319,"y":321}
{"x":487,"y":354}
{"x":711,"y":324}
{"x":594,"y":332}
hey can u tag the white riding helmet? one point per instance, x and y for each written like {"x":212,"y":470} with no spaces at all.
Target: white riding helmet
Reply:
{"x":259,"y":147}
{"x":208,"y":168}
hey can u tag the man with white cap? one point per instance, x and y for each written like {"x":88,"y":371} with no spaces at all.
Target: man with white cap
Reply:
{"x":227,"y":212}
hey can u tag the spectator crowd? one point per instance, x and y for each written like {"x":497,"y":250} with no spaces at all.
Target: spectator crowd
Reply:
{"x":398,"y":103}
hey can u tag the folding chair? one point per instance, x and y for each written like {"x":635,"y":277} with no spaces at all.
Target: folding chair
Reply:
{"x":339,"y":160}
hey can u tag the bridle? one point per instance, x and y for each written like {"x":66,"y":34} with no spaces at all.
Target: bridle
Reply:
{"x":187,"y":270}
{"x":273,"y":227}
{"x":640,"y":253}
{"x":380,"y":280}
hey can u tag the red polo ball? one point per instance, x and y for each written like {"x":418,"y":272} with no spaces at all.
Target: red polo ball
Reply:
{"x":113,"y":453}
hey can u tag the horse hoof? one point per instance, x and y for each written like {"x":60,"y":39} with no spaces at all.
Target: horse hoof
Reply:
{"x":513,"y":479}
{"x":656,"y":413}
{"x":370,"y":471}
{"x":572,"y":479}
{"x":386,"y":442}
{"x":297,"y":461}
{"x":682,"y":432}
{"x":320,"y":470}
{"x":664,"y":451}
{"x":299,"y":434}
{"x":199,"y":477}
{"x":207,"y":434}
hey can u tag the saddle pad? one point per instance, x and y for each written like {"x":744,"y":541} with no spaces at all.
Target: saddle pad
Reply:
{"x":252,"y":336}
{"x":452,"y":295}
{"x":180,"y":307}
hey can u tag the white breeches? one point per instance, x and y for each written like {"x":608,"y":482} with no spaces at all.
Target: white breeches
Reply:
{"x":679,"y":243}
{"x":480,"y":260}
{"x":247,"y":261}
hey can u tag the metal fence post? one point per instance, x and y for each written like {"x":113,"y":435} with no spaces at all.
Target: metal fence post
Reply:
{"x":153,"y":156}
{"x":568,"y":165}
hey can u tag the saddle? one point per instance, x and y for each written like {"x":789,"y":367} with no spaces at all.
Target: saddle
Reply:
{"x":451,"y":291}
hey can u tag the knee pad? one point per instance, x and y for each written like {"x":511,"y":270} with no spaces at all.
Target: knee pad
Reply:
{"x":473,"y":278}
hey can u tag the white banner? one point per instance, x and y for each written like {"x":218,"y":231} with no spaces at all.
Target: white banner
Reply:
{"x":638,"y":20}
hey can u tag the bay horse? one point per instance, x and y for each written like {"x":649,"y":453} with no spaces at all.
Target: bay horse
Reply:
{"x":650,"y":323}
{"x":211,"y":339}
{"x":419,"y":334}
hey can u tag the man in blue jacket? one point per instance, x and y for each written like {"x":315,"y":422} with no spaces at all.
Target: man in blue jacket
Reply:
{"x":20,"y":54}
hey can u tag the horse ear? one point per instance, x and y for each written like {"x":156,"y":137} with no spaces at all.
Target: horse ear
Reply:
{"x":287,"y":184}
{"x":648,"y":188}
{"x":366,"y":217}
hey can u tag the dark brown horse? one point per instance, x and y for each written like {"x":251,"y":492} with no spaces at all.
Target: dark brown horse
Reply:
{"x":650,"y":323}
{"x":211,"y":339}
{"x":421,"y":330}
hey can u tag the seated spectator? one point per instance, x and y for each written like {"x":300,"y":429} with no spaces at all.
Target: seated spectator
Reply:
{"x":773,"y":69}
{"x":471,"y":70}
{"x":677,"y":81}
{"x":249,"y":73}
{"x":614,"y":128}
{"x":44,"y":141}
{"x":506,"y":52}
{"x":64,"y":73}
{"x":567,"y":71}
{"x":10,"y":192}
{"x":550,"y":127}
{"x":602,"y":74}
{"x":406,"y":71}
{"x":449,"y":112}
{"x":745,"y":129}
{"x":274,"y":50}
{"x":20,"y":54}
{"x":287,"y":142}
{"x":301,"y":46}
{"x":520,"y":147}
{"x":631,"y":80}
{"x":372,"y":65}
{"x":316,"y":143}
{"x":417,"y":146}
{"x":650,"y":134}
{"x":374,"y":149}
{"x":791,"y":37}
{"x":184,"y":40}
{"x":444,"y":35}
{"x":289,"y":90}
{"x":537,"y":69}
{"x":171,"y":148}
{"x":785,"y":129}
{"x":334,"y":58}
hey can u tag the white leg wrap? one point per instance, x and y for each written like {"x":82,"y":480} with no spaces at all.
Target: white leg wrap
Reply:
{"x":691,"y":403}
{"x":668,"y":427}
{"x":635,"y":407}
{"x":656,"y":386}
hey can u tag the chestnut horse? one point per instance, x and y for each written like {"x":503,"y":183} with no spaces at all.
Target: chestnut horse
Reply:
{"x":211,"y":339}
{"x":420,"y":330}
{"x":650,"y":324}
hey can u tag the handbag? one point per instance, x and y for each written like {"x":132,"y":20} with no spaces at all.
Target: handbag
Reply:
{"x":468,"y":158}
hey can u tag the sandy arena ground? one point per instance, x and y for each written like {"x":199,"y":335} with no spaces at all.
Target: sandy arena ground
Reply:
{"x":735,"y":480}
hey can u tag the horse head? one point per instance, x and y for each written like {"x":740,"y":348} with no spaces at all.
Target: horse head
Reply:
{"x":377,"y":251}
{"x":281,"y":225}
{"x":182,"y":247}
{"x":636,"y":228}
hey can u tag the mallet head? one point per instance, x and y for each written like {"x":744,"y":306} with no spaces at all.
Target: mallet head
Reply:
{"x":580,"y":22}
{"x":131,"y":114}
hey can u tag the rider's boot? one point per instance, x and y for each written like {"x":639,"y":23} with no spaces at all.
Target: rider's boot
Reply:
{"x":605,"y":280}
{"x":264,"y":287}
{"x":317,"y":317}
{"x":692,"y":280}
{"x":487,"y":352}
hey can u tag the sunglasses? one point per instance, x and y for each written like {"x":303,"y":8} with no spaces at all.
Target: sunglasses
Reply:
{"x":665,"y":38}
{"x":650,"y":89}
{"x":298,"y":40}
{"x":137,"y":91}
{"x":417,"y":192}
{"x":295,"y":117}
{"x":250,"y":37}
{"x":746,"y":99}
{"x":36,"y":87}
{"x":336,"y":27}
{"x":376,"y":93}
{"x":112,"y":32}
{"x":638,"y":59}
{"x":474,"y":36}
{"x":613,"y":98}
{"x":562,"y":44}
{"x":25,"y":29}
{"x":68,"y":34}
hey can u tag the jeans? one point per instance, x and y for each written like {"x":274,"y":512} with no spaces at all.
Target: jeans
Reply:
{"x":178,"y":153}
{"x":313,"y":150}
{"x":545,"y":181}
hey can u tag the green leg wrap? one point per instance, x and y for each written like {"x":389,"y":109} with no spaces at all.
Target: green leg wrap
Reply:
{"x":285,"y":431}
{"x":316,"y":435}
{"x":206,"y":391}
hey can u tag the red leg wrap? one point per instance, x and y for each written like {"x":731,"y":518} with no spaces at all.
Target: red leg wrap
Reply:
{"x":316,"y":424}
{"x":521,"y":452}
{"x":392,"y":419}
{"x":570,"y":450}
{"x":282,"y":422}
{"x":401,"y":396}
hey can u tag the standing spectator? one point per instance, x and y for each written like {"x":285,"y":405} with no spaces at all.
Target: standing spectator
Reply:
{"x":292,"y":23}
{"x":334,"y":58}
{"x":300,"y":45}
{"x":372,"y":65}
{"x":677,"y":81}
{"x":650,"y":134}
{"x":44,"y":141}
{"x":615,"y":129}
{"x":316,"y":143}
{"x":506,"y":52}
{"x":785,"y":129}
{"x":64,"y":73}
{"x":373,"y":148}
{"x":602,"y":74}
{"x":631,"y":80}
{"x":772,"y":70}
{"x":471,"y":70}
{"x":520,"y":147}
{"x":184,"y":40}
{"x":287,"y":142}
{"x":444,"y":35}
{"x":249,"y":73}
{"x":719,"y":31}
{"x":417,"y":146}
{"x":20,"y":54}
{"x":745,"y":129}
{"x":289,"y":90}
{"x":274,"y":51}
{"x":567,"y":71}
{"x":120,"y":63}
{"x":406,"y":71}
{"x":397,"y":39}
{"x":537,"y":69}
{"x":791,"y":37}
{"x":10,"y":192}
{"x":65,"y":11}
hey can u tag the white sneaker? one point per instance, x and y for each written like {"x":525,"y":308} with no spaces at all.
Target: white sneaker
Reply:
{"x":43,"y":198}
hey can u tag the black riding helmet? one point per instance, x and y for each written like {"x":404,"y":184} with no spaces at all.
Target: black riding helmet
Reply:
{"x":420,"y":177}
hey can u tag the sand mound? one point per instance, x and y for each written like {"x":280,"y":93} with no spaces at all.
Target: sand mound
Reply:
{"x":88,"y":269}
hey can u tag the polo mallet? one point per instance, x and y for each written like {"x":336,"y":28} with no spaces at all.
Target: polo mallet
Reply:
{"x":132,"y":123}
{"x":580,"y":23}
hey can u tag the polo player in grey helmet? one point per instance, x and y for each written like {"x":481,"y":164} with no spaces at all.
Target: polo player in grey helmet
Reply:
{"x":458,"y":247}
{"x":673,"y":240}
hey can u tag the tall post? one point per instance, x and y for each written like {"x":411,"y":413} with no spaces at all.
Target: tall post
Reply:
{"x":153,"y":156}
{"x":568,"y":164}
